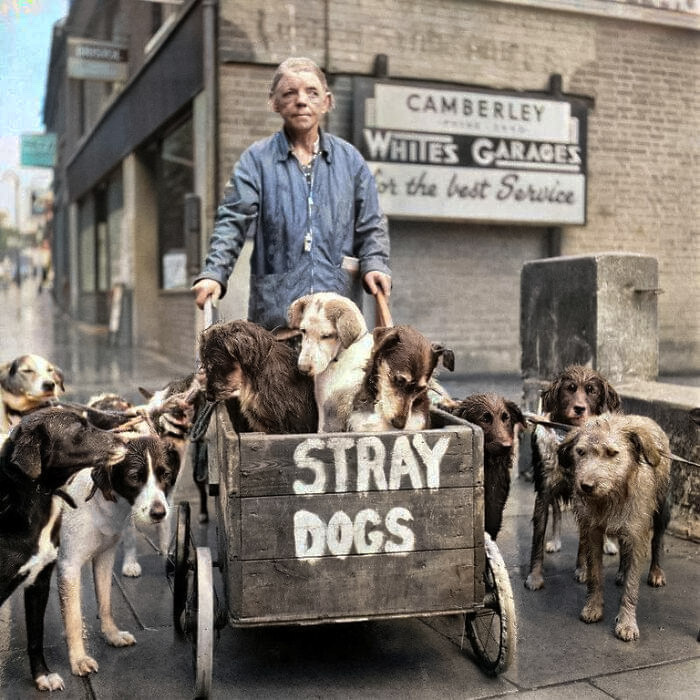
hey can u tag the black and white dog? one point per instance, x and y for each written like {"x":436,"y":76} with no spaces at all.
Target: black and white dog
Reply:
{"x":40,"y":454}
{"x":134,"y":488}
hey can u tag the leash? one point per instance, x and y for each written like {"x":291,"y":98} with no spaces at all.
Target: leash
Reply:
{"x":538,"y":420}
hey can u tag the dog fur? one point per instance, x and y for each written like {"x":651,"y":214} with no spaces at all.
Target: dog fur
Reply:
{"x":394,"y":392}
{"x":499,"y":419}
{"x":26,"y":383}
{"x":335,"y":349}
{"x":41,"y":453}
{"x":106,"y":498}
{"x":574,"y":396}
{"x":622,"y":473}
{"x":242,"y":360}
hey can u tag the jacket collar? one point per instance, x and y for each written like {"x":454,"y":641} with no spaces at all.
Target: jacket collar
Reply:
{"x":284,"y":148}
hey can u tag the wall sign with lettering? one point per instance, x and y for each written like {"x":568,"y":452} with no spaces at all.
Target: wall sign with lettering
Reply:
{"x":449,"y":153}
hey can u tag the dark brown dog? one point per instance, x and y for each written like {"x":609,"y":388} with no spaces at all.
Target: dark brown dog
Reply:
{"x":242,"y":360}
{"x":394,"y":393}
{"x":575,"y":395}
{"x":498,"y":418}
{"x":622,"y":472}
{"x":42,"y":452}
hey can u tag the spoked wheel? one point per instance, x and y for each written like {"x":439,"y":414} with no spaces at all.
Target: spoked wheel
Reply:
{"x":181,"y":564}
{"x":491,"y":629}
{"x":199,"y":621}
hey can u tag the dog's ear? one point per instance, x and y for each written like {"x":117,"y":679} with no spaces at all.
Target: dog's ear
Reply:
{"x":448,"y":357}
{"x":284,"y":334}
{"x":148,"y":395}
{"x":59,"y":378}
{"x":551,"y":395}
{"x":611,"y":399}
{"x":644,"y":445}
{"x":102,"y":480}
{"x":385,"y":337}
{"x":26,"y":451}
{"x":296,"y":310}
{"x":516,"y":415}
{"x":348,"y":323}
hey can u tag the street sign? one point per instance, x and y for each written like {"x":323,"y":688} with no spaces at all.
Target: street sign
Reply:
{"x":90,"y":59}
{"x":38,"y":150}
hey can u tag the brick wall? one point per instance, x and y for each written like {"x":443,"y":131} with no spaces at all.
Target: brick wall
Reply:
{"x":460,"y":282}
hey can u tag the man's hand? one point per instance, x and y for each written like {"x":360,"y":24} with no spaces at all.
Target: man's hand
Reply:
{"x":206,"y":289}
{"x":377,"y":281}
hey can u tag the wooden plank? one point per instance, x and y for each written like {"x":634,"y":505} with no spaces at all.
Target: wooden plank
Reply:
{"x":303,"y":590}
{"x":367,"y":523}
{"x":350,"y":462}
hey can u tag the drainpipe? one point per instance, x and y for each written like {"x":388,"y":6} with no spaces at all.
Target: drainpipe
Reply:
{"x":211,"y":89}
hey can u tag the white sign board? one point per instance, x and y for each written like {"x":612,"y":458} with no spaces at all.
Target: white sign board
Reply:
{"x":90,"y":59}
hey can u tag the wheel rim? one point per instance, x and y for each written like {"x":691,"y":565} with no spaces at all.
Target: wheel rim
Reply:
{"x":181,"y":564}
{"x":204,"y":624}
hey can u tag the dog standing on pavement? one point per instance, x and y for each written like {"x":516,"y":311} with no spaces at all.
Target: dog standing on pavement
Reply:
{"x":622,"y":473}
{"x":574,"y":396}
{"x":41,"y":453}
{"x":106,"y":498}
{"x":335,"y":349}
{"x":26,"y":383}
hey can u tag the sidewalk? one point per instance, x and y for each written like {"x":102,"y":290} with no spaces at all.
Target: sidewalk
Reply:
{"x":557,"y":655}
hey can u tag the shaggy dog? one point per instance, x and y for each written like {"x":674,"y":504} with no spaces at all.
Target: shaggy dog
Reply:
{"x":243,"y":360}
{"x":41,"y":453}
{"x":394,"y":392}
{"x":499,"y":419}
{"x":575,"y":395}
{"x":26,"y":383}
{"x":335,"y":349}
{"x":622,"y":472}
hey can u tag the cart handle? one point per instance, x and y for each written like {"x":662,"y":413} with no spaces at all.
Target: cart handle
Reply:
{"x":383,"y":315}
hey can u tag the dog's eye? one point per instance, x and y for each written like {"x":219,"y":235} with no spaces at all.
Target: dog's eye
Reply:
{"x":591,"y":389}
{"x":505,"y":416}
{"x":580,"y":451}
{"x":400,"y":381}
{"x":487,"y":418}
{"x":571,"y":387}
{"x":328,"y":336}
{"x":133,"y":477}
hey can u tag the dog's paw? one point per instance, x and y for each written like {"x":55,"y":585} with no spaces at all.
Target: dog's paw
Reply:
{"x":120,"y":638}
{"x":592,"y":612}
{"x":51,"y":681}
{"x":83,"y":665}
{"x":553,"y":545}
{"x":534,"y":582}
{"x":609,"y":547}
{"x":627,"y":631}
{"x":656,"y":577}
{"x":580,"y":574}
{"x":131,"y":568}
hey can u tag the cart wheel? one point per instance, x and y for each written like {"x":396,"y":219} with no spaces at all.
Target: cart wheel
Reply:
{"x":182,"y":564}
{"x":199,"y":615}
{"x":491,"y":629}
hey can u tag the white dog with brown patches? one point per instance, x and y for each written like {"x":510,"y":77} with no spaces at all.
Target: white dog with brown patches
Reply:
{"x":335,"y":349}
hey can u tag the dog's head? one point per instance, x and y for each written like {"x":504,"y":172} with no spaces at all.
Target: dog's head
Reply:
{"x":402,"y":364}
{"x":579,"y":393}
{"x":496,"y":416}
{"x":144,"y":477}
{"x":51,"y":444}
{"x":109,"y":402}
{"x":232,"y":353}
{"x":174,"y":407}
{"x":30,"y":381}
{"x":328,"y":324}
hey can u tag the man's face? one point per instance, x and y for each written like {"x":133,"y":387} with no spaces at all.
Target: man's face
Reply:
{"x":301,"y":101}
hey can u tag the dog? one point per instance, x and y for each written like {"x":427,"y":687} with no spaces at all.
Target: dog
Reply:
{"x":135,"y":488}
{"x":500,"y":419}
{"x":622,"y":473}
{"x":335,"y":349}
{"x":41,"y":453}
{"x":26,"y":383}
{"x":574,"y":396}
{"x":242,"y":360}
{"x":394,"y":391}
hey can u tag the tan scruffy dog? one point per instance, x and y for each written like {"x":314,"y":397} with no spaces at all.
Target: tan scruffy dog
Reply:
{"x":622,"y":472}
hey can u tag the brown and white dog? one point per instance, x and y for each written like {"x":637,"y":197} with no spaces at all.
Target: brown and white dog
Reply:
{"x":41,"y":453}
{"x":574,"y":396}
{"x":26,"y":383}
{"x":394,"y":392}
{"x":106,"y":498}
{"x":335,"y":349}
{"x":243,"y":360}
{"x":622,"y":473}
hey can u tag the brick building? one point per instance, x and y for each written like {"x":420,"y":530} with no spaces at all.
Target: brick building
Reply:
{"x":145,"y":151}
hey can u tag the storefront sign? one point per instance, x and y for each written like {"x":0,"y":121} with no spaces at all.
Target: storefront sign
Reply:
{"x":471,"y":155}
{"x":38,"y":150}
{"x":90,"y":59}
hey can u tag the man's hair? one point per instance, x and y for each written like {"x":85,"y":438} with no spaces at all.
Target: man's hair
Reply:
{"x":299,"y":64}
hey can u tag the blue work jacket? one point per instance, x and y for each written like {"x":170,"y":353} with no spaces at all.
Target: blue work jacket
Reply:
{"x":307,"y":231}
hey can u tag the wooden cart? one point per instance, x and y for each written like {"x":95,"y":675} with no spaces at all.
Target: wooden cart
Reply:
{"x":396,"y":516}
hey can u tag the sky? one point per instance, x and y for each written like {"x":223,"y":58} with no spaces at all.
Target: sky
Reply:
{"x":25,"y":43}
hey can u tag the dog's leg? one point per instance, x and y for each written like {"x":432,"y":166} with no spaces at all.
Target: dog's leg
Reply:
{"x":656,"y":576}
{"x":581,"y":571}
{"x":554,"y":545}
{"x":593,"y":609}
{"x":626,"y":621}
{"x":535,"y":579}
{"x":130,"y":566}
{"x":69,"y":593}
{"x":102,"y":566}
{"x":35,"y":600}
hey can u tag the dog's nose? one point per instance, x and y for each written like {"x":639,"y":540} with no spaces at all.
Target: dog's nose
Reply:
{"x":49,"y":386}
{"x":579,"y":410}
{"x":399,"y":422}
{"x":587,"y":486}
{"x":157,"y":512}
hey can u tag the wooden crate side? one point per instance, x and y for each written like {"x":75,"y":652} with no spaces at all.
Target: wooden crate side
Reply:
{"x":272,"y":465}
{"x":299,"y":590}
{"x":366,"y":523}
